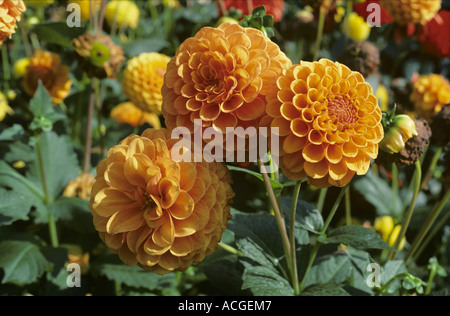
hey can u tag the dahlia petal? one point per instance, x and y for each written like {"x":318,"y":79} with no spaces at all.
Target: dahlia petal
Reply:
{"x":186,"y":227}
{"x":232,"y":104}
{"x":299,"y":86}
{"x":210,"y":112}
{"x":239,"y":39}
{"x":108,"y":201}
{"x":282,"y":124}
{"x":169,"y":262}
{"x":188,"y":174}
{"x":182,"y":246}
{"x":334,"y":153}
{"x":349,"y":149}
{"x":151,"y":248}
{"x":360,"y":164}
{"x":293,"y":143}
{"x":127,"y":219}
{"x":252,"y":110}
{"x":183,"y":206}
{"x":114,"y":242}
{"x":338,"y":171}
{"x":273,"y":108}
{"x":168,"y":168}
{"x":261,"y":57}
{"x":300,"y":101}
{"x":146,"y":260}
{"x":286,"y":95}
{"x":240,"y":54}
{"x":135,"y":169}
{"x":225,"y":120}
{"x":141,"y":146}
{"x":342,"y":182}
{"x":313,"y":153}
{"x":188,"y":90}
{"x":316,"y":170}
{"x":220,"y":44}
{"x":315,"y":137}
{"x":294,"y":162}
{"x":127,"y":256}
{"x":169,"y":190}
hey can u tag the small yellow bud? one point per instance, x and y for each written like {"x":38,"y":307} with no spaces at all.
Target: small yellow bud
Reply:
{"x":402,"y":129}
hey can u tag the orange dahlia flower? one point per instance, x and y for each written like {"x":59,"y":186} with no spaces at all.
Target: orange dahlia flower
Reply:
{"x":412,"y":11}
{"x":143,"y":78}
{"x":273,"y":7}
{"x":80,"y":187}
{"x":130,"y":114}
{"x":155,"y":212}
{"x":10,"y":14}
{"x":430,"y":94}
{"x":329,"y":122}
{"x":46,"y":66}
{"x":221,"y":76}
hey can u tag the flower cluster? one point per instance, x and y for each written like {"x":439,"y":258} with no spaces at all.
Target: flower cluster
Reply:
{"x":10,"y":14}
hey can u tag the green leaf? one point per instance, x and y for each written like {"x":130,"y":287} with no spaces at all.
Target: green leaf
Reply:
{"x":355,"y":236}
{"x":45,"y":114}
{"x":59,"y":164}
{"x":331,"y":269}
{"x":22,"y":262}
{"x":306,"y":215}
{"x":263,"y":281}
{"x":13,"y":133}
{"x":329,"y":289}
{"x":57,"y":33}
{"x":277,"y":186}
{"x":13,"y":206}
{"x":146,"y":45}
{"x":378,"y":193}
{"x":136,"y":277}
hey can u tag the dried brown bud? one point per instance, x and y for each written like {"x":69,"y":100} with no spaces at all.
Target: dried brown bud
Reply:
{"x":363,"y":57}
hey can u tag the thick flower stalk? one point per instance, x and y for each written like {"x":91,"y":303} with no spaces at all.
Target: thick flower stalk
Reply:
{"x":154,"y":212}
{"x":430,"y":94}
{"x":329,"y":122}
{"x":412,"y":11}
{"x":143,"y":79}
{"x":10,"y":13}
{"x":221,"y":76}
{"x":47,"y":67}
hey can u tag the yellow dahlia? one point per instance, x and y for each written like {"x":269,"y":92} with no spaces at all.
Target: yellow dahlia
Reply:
{"x":4,"y":107}
{"x":329,"y":122}
{"x":10,"y":14}
{"x":221,"y":76}
{"x":130,"y":114}
{"x":80,"y":187}
{"x":430,"y":94}
{"x":388,"y":231}
{"x":412,"y":11}
{"x":85,"y":7}
{"x":47,"y":67}
{"x":143,"y":78}
{"x":155,"y":212}
{"x":123,"y":12}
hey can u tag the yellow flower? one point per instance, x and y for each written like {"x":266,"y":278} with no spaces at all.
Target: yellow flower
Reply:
{"x":221,"y":76}
{"x":20,"y":67}
{"x":80,"y":187}
{"x":142,"y":80}
{"x":85,"y":7}
{"x":4,"y":107}
{"x":154,"y":212}
{"x":401,"y":129}
{"x":123,"y":12}
{"x":358,"y":29}
{"x":412,"y":11}
{"x":430,"y":94}
{"x":10,"y":14}
{"x":384,"y":225}
{"x":382,"y":95}
{"x":130,"y":114}
{"x":75,"y":255}
{"x":329,"y":122}
{"x":46,"y":66}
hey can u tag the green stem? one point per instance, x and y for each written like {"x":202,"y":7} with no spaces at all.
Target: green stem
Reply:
{"x":230,"y":249}
{"x":348,"y":208}
{"x":427,"y":225}
{"x":429,"y":173}
{"x":278,"y":217}
{"x":324,"y":229}
{"x":292,"y":236}
{"x":407,"y":216}
{"x":430,"y":280}
{"x":47,"y":199}
{"x":321,"y":200}
{"x":6,"y":67}
{"x":319,"y":34}
{"x":394,"y":187}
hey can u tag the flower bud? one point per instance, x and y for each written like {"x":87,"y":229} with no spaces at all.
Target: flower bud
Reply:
{"x":402,"y":129}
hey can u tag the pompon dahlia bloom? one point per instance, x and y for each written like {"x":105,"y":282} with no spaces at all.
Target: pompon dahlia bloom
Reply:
{"x":142,"y":80}
{"x":412,"y":11}
{"x":430,"y":94}
{"x":273,"y":7}
{"x":47,"y":67}
{"x":329,"y":122}
{"x":10,"y":14}
{"x":432,"y":34}
{"x":130,"y":114}
{"x":221,"y":76}
{"x":123,"y":12}
{"x":155,"y":212}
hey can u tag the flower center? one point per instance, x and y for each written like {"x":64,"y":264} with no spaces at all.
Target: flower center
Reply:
{"x":342,"y":111}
